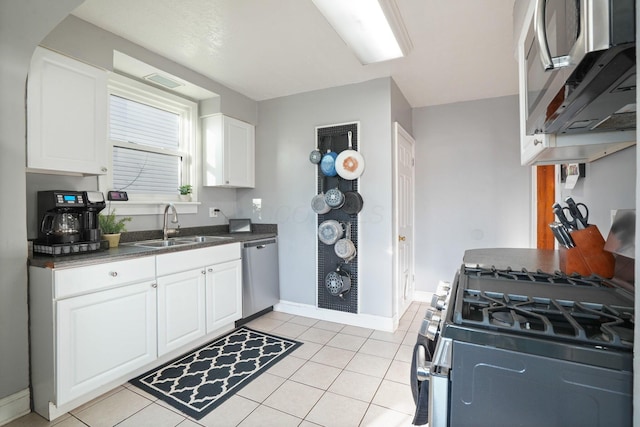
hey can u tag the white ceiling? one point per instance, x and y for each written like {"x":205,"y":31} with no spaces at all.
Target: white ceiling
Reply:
{"x":462,"y":49}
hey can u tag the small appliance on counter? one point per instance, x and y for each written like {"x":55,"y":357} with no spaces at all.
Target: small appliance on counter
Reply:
{"x":68,"y":222}
{"x":240,"y":225}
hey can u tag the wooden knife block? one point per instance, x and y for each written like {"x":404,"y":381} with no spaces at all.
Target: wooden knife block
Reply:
{"x":588,"y":256}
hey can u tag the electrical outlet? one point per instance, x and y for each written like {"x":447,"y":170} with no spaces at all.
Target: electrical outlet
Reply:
{"x":213,"y":213}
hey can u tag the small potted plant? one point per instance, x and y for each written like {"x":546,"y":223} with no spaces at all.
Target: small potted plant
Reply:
{"x":185,"y":192}
{"x":112,"y":228}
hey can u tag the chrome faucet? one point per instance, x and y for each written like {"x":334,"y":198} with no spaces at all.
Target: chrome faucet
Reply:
{"x":166,"y":231}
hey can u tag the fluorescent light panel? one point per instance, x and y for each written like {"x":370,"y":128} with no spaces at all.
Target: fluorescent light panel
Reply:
{"x":366,"y":27}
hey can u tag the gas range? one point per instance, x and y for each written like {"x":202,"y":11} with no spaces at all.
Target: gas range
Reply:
{"x":544,"y":314}
{"x":496,"y":340}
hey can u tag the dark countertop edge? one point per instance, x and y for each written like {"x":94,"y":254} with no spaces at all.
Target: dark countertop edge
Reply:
{"x":128,"y":251}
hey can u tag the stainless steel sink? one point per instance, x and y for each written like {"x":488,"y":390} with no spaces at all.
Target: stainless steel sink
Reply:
{"x":162,"y":243}
{"x":179,"y":241}
{"x":201,"y":239}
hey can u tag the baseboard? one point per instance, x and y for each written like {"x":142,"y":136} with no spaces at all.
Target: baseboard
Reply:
{"x":14,"y":406}
{"x":362,"y":320}
{"x":422,"y":296}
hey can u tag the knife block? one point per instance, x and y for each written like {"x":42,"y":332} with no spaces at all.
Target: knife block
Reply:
{"x":588,"y":256}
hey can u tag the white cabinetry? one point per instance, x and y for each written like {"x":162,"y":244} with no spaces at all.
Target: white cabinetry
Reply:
{"x":229,"y":152}
{"x":224,"y":294}
{"x":94,"y":327}
{"x":102,"y":336}
{"x":207,"y":281}
{"x":181,"y":315}
{"x":66,"y":115}
{"x":90,"y":326}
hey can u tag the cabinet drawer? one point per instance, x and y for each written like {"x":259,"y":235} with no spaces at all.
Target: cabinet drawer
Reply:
{"x":187,"y":260}
{"x":90,"y":278}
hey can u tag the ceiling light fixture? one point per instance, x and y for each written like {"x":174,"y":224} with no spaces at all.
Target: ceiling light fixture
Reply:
{"x":373,"y":29}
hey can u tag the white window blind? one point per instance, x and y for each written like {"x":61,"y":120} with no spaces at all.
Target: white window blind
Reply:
{"x":147,"y":155}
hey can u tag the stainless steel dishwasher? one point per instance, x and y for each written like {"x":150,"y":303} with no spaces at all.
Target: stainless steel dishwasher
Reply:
{"x":260,"y":277}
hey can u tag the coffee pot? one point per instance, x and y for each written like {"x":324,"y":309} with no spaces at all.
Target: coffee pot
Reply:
{"x":65,"y":226}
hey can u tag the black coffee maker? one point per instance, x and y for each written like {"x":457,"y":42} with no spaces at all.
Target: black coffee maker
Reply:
{"x":68,"y":221}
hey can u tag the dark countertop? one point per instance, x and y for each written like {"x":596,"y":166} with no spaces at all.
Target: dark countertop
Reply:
{"x":517,"y":258}
{"x":127,"y":249}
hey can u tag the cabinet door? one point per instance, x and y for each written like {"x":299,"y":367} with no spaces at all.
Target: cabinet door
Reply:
{"x":67,"y":115}
{"x":229,"y":146}
{"x":224,"y":294}
{"x":181,"y":309}
{"x":239,"y":155}
{"x":103,"y":336}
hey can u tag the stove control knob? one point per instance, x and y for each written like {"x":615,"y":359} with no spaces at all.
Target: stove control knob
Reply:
{"x":438,"y":301}
{"x":429,"y":313}
{"x":432,"y":327}
{"x":424,"y":326}
{"x":443,"y":288}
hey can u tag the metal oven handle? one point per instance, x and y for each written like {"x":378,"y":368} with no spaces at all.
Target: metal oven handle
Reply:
{"x":423,"y":367}
{"x":420,"y":372}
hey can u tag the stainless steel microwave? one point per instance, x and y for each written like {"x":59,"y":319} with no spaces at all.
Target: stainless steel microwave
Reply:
{"x":581,"y":67}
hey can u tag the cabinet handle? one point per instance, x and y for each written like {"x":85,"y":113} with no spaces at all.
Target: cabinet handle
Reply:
{"x":537,"y":142}
{"x":113,"y":274}
{"x":402,"y":238}
{"x":154,"y":285}
{"x":210,"y":270}
{"x":203,"y":272}
{"x":103,"y":169}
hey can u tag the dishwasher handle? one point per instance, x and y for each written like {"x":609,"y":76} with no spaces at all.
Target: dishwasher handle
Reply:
{"x":259,"y":244}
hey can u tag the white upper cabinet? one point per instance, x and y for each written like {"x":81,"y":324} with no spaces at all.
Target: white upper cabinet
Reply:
{"x":66,"y":115}
{"x":229,"y":152}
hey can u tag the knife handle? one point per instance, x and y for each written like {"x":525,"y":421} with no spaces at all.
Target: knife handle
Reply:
{"x":559,"y":211}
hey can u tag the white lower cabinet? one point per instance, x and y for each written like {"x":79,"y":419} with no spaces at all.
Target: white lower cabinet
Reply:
{"x":224,"y":294}
{"x":102,"y":336}
{"x":219,"y":269}
{"x":90,"y":326}
{"x":181,"y":309}
{"x":97,"y":326}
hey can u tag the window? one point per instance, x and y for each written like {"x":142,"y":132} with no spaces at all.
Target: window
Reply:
{"x":153,"y":141}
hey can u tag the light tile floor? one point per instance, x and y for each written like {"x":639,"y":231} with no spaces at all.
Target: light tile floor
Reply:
{"x":341,"y":376}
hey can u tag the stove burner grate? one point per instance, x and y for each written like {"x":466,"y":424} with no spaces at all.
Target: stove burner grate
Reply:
{"x":523,"y":274}
{"x":591,"y":323}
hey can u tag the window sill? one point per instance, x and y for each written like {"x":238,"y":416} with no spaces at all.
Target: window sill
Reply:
{"x":151,"y":208}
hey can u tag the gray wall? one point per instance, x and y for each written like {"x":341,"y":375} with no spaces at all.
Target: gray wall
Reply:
{"x":471,"y":191}
{"x":285,"y":181}
{"x":23,"y":24}
{"x":609,"y":183}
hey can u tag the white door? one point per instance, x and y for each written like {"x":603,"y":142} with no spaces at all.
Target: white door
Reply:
{"x":181,"y":310}
{"x":103,"y":336}
{"x":404,"y":154}
{"x":224,"y":294}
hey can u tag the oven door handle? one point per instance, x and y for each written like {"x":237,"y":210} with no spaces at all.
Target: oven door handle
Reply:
{"x":423,"y":367}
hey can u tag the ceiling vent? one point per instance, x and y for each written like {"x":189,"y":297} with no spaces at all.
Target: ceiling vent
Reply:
{"x":163,"y":81}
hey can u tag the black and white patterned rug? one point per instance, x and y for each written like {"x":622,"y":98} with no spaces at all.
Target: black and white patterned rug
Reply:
{"x":198,"y":382}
